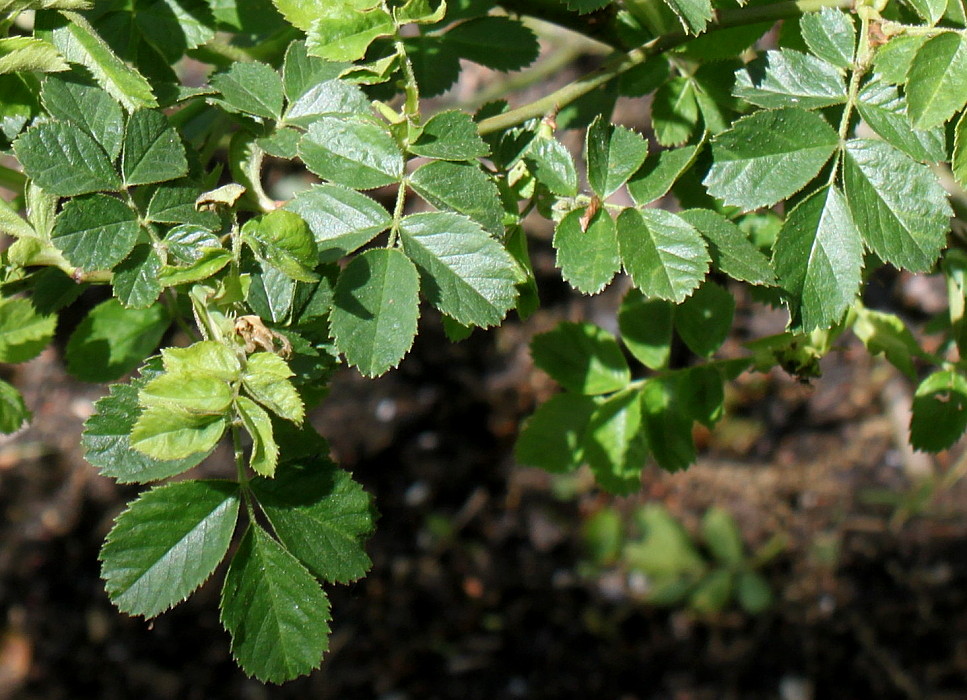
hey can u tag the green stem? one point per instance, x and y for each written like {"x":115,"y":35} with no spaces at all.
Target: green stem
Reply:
{"x":622,"y":62}
{"x":410,"y":88}
{"x":397,"y":213}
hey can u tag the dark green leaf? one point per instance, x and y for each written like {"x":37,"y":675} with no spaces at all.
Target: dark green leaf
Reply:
{"x":300,"y":71}
{"x":939,"y":411}
{"x":659,"y":172}
{"x":669,"y":429}
{"x":113,"y":340}
{"x":152,"y":150}
{"x":882,"y":107}
{"x":89,"y":107}
{"x":174,"y":203}
{"x":351,"y":152}
{"x":582,"y":358}
{"x":830,"y":35}
{"x":616,"y":444}
{"x":694,"y":14}
{"x":341,"y":220}
{"x":13,"y":411}
{"x":552,"y":165}
{"x":613,"y":154}
{"x":674,"y":112}
{"x":500,"y":43}
{"x":64,"y":160}
{"x":731,"y":250}
{"x":96,"y":232}
{"x":937,"y":80}
{"x":136,"y":281}
{"x":276,"y":612}
{"x":462,"y":188}
{"x":450,"y":135}
{"x":167,"y":543}
{"x":252,"y":88}
{"x":886,"y":333}
{"x":587,"y":251}
{"x":703,"y":321}
{"x":789,"y":78}
{"x":322,"y":516}
{"x":646,"y":328}
{"x":553,"y":437}
{"x":331,"y":97}
{"x":892,"y":60}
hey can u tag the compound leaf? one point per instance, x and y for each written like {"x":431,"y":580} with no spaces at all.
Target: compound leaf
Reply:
{"x":167,"y":543}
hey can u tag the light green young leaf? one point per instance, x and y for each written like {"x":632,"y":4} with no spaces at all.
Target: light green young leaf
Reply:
{"x":204,"y":358}
{"x":958,"y":162}
{"x":582,"y":358}
{"x":91,"y":108}
{"x":351,"y":152}
{"x":694,"y":14}
{"x":79,"y":43}
{"x":885,"y":111}
{"x":169,"y":434}
{"x":376,"y":308}
{"x":24,"y":53}
{"x":251,"y":88}
{"x":152,"y":150}
{"x":896,"y":203}
{"x":703,"y":321}
{"x":664,"y":255}
{"x":588,"y":258}
{"x":96,"y":232}
{"x":613,"y":154}
{"x":197,"y":395}
{"x":265,"y":451}
{"x":830,"y":35}
{"x":936,"y":86}
{"x":277,"y":613}
{"x":24,"y":333}
{"x":113,"y":340}
{"x":136,"y":280}
{"x":768,"y":156}
{"x":13,"y":225}
{"x":659,"y":172}
{"x":302,"y":13}
{"x":421,"y":11}
{"x":552,"y":438}
{"x":616,"y":444}
{"x":819,"y":260}
{"x":646,"y":328}
{"x":939,"y":411}
{"x":64,"y":160}
{"x":343,"y":33}
{"x":885,"y":332}
{"x":322,"y":516}
{"x":266,"y":379}
{"x":500,"y":43}
{"x":283,"y":240}
{"x":789,"y":78}
{"x":341,"y":220}
{"x":732,"y":252}
{"x":462,"y":188}
{"x":107,"y":441}
{"x":466,"y":274}
{"x":552,"y":165}
{"x":450,"y":135}
{"x":330,"y":97}
{"x":167,"y":543}
{"x":13,"y":410}
{"x":674,"y":112}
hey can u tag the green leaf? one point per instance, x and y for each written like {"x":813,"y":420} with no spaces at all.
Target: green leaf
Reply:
{"x":24,"y":333}
{"x":341,"y":220}
{"x":79,"y":43}
{"x":210,"y":261}
{"x":172,"y":27}
{"x":615,"y":444}
{"x":753,"y":592}
{"x":12,"y":224}
{"x":462,"y":188}
{"x":13,"y":410}
{"x":152,"y":150}
{"x":703,"y":321}
{"x":768,"y":156}
{"x":602,"y":535}
{"x":958,"y":162}
{"x":664,"y":255}
{"x":265,"y":451}
{"x":731,"y":250}
{"x":165,"y":433}
{"x":435,"y":64}
{"x":107,"y":441}
{"x":669,"y":429}
{"x":24,"y":53}
{"x":500,"y":43}
{"x":251,"y":88}
{"x":646,"y":328}
{"x":588,"y":258}
{"x":174,"y":203}
{"x":936,"y":86}
{"x":882,"y":107}
{"x":659,"y":172}
{"x":465,"y":273}
{"x":282,"y":239}
{"x":322,"y":516}
{"x":302,"y":13}
{"x":789,"y":78}
{"x":613,"y":153}
{"x":674,"y":112}
{"x":665,"y":550}
{"x":136,"y":280}
{"x":552,"y":165}
{"x":89,"y":107}
{"x":266,"y":379}
{"x":712,"y":592}
{"x":582,"y":358}
{"x":930,"y":10}
{"x":830,"y":35}
{"x":276,"y":612}
{"x":197,"y":395}
{"x":301,"y":72}
{"x":113,"y":340}
{"x":207,"y":357}
{"x":343,"y":33}
{"x":896,"y":203}
{"x":450,"y":135}
{"x":892,"y":60}
{"x":96,"y":232}
{"x":722,"y":536}
{"x":351,"y":152}
{"x":553,"y":437}
{"x":884,"y":332}
{"x":167,"y":543}
{"x":694,"y":14}
{"x":376,"y":308}
{"x":819,"y":260}
{"x":64,"y":160}
{"x":330,"y":97}
{"x":939,"y":411}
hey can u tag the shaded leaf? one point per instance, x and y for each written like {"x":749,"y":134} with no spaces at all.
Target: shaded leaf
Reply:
{"x":582,"y":358}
